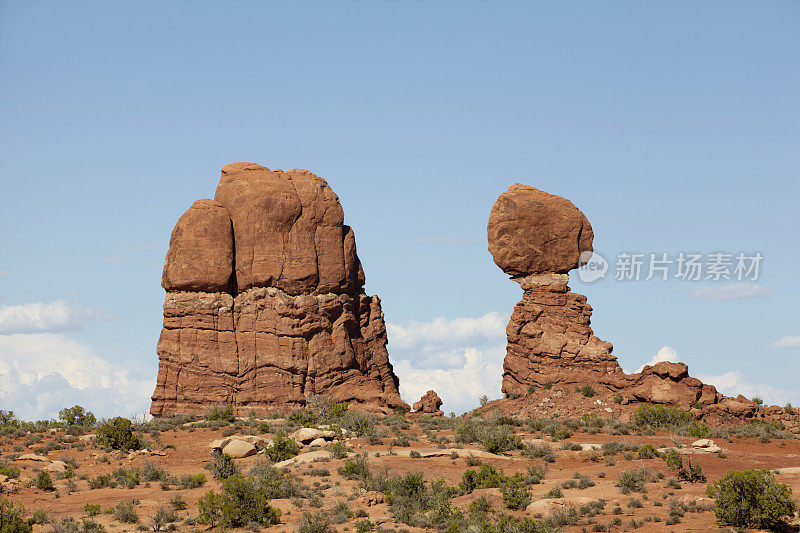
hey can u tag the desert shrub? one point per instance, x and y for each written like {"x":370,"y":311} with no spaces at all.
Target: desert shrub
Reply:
{"x":362,"y":526}
{"x":304,"y":417}
{"x":282,"y":448}
{"x":758,"y":401}
{"x":274,"y":482}
{"x":571,"y":446}
{"x":486,"y":477}
{"x":414,"y":454}
{"x":751,"y":498}
{"x":44,"y":481}
{"x":11,"y":517}
{"x":647,"y":451}
{"x":8,"y":419}
{"x":319,"y":472}
{"x":125,"y":513}
{"x":223,"y":466}
{"x":685,"y":470}
{"x":583,"y":481}
{"x":633,"y":480}
{"x":126,"y":478}
{"x":222,"y":413}
{"x":413,"y":502}
{"x":151,"y":472}
{"x":240,"y":501}
{"x":515,"y":494}
{"x":192,"y":481}
{"x":618,"y":398}
{"x":91,"y":509}
{"x":362,"y":424}
{"x":540,"y":451}
{"x":77,"y":416}
{"x":118,"y":435}
{"x":355,"y":468}
{"x":337,"y":449}
{"x":788,"y":409}
{"x":401,"y":442}
{"x":101,"y":481}
{"x":162,"y":517}
{"x":614,"y":447}
{"x":466,"y":430}
{"x":178,"y":503}
{"x":661,"y":416}
{"x":11,"y":472}
{"x":588,"y":391}
{"x":326,"y":408}
{"x":554,"y":493}
{"x":319,"y":522}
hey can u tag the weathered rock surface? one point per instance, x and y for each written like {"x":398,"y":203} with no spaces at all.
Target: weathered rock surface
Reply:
{"x":533,"y":232}
{"x":265,"y":304}
{"x":537,"y":238}
{"x":429,"y":404}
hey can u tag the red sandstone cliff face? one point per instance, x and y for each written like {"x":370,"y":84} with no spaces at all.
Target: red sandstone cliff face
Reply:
{"x":265,"y":304}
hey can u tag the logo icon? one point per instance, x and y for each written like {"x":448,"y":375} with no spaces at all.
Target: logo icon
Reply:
{"x":593,"y":267}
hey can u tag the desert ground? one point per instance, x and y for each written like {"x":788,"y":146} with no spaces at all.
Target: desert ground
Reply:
{"x":337,"y":470}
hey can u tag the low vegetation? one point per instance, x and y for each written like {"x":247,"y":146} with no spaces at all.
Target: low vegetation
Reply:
{"x":751,"y":498}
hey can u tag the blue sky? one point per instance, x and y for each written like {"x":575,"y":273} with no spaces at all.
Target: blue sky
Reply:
{"x":673,"y":125}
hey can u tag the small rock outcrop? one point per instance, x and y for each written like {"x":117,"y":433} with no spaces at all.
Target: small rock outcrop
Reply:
{"x":429,"y":404}
{"x":537,"y":238}
{"x":265,"y":304}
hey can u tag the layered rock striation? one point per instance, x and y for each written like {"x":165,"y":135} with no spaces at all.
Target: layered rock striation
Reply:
{"x":537,"y":238}
{"x":265,"y":304}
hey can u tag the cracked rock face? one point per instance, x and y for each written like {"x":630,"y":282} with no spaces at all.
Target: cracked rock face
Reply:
{"x":265,"y":304}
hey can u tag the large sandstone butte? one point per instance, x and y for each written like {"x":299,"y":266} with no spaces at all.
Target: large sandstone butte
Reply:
{"x":265,"y":304}
{"x":537,"y":238}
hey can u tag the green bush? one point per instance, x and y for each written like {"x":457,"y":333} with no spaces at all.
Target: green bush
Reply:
{"x":8,"y":419}
{"x":751,"y":498}
{"x":515,"y":494}
{"x":223,"y":413}
{"x":661,"y":416}
{"x":485,"y":478}
{"x":648,"y":451}
{"x":355,"y":468}
{"x":500,"y":440}
{"x":241,"y":501}
{"x":685,"y":470}
{"x":101,"y":481}
{"x":11,"y":518}
{"x":304,"y":417}
{"x":282,"y":448}
{"x":125,"y":513}
{"x":118,"y":435}
{"x":44,"y":481}
{"x":223,"y":466}
{"x":588,"y":391}
{"x":91,"y":509}
{"x":77,"y":416}
{"x":126,"y":478}
{"x":319,"y":522}
{"x":633,"y":480}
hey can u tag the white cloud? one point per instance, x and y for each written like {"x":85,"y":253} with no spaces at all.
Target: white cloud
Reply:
{"x":460,"y":358}
{"x":786,"y":342}
{"x":732,"y":384}
{"x":733,"y":291}
{"x":43,"y":372}
{"x":44,"y":317}
{"x":447,"y":332}
{"x":459,"y":388}
{"x":665,"y":353}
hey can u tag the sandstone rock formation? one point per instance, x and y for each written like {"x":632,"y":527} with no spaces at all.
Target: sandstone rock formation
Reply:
{"x":537,"y":238}
{"x":429,"y":404}
{"x":265,"y":304}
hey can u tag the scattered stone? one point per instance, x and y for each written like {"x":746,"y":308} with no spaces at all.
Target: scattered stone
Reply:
{"x":239,"y":449}
{"x":56,"y":467}
{"x":371,"y":498}
{"x":33,"y":457}
{"x":429,"y":404}
{"x":307,"y":435}
{"x":318,"y":442}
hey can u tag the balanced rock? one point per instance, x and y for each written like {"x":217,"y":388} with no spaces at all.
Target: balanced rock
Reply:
{"x":533,"y":232}
{"x":537,"y":238}
{"x":265,"y":304}
{"x":429,"y":404}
